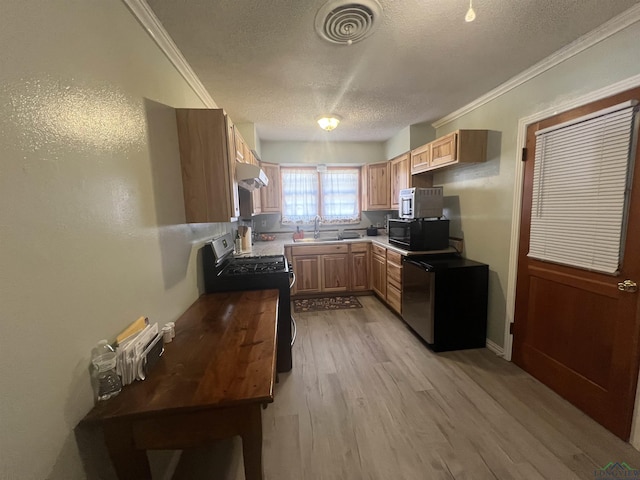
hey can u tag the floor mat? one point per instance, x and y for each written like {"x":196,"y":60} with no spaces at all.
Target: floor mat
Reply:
{"x":325,"y":303}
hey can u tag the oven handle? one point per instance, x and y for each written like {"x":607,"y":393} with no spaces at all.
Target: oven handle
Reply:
{"x":294,"y":327}
{"x":293,"y":279}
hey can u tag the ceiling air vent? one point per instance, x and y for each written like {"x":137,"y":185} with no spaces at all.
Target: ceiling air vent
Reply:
{"x":346,"y":23}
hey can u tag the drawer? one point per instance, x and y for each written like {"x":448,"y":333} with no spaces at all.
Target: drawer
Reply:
{"x":378,"y":250}
{"x":394,"y":273}
{"x":394,"y":298}
{"x":319,"y":249}
{"x":360,"y":247}
{"x":394,"y":257}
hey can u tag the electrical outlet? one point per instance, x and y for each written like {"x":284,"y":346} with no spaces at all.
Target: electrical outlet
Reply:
{"x":264,"y":223}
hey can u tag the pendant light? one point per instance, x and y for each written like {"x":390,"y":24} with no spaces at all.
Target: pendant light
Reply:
{"x":471,"y":14}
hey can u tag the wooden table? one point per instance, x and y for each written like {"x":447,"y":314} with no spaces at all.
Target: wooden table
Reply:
{"x":211,"y":383}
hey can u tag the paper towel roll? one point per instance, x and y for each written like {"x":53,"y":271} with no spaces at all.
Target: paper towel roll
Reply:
{"x":245,"y":235}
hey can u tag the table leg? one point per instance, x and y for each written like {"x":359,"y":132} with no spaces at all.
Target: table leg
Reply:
{"x":252,"y":444}
{"x":129,"y":462}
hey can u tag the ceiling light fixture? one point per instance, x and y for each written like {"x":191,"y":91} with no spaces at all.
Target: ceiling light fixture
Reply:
{"x":328,"y":122}
{"x":471,"y":15}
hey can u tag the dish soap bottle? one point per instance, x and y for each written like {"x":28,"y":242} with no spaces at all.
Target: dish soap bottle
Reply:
{"x":107,"y":382}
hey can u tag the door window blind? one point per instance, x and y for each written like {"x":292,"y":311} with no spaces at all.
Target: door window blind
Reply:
{"x":580,"y":190}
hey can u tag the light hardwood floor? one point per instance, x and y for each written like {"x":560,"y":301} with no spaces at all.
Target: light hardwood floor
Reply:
{"x":367,"y":400}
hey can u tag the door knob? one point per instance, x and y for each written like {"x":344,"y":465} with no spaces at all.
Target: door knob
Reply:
{"x":628,"y":286}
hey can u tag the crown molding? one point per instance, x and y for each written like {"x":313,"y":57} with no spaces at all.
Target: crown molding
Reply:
{"x":604,"y":31}
{"x":143,"y":13}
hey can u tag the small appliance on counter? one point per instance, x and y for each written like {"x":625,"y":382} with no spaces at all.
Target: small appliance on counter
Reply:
{"x":421,"y":202}
{"x":421,"y":234}
{"x":372,"y":231}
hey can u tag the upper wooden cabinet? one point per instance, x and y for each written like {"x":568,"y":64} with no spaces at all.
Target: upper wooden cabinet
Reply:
{"x":400,"y":177}
{"x":207,"y":162}
{"x":239,"y":147}
{"x":376,"y":187}
{"x":461,"y":146}
{"x":271,"y":194}
{"x":420,"y":158}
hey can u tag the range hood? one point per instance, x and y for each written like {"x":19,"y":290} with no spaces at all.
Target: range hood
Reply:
{"x":250,"y":176}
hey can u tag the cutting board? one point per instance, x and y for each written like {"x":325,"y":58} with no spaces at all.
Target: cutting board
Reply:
{"x":245,"y":237}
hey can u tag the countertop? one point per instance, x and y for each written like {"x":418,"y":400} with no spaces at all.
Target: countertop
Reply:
{"x":276,"y":247}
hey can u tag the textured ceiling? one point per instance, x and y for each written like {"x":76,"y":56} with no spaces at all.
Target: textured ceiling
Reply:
{"x":263,"y":62}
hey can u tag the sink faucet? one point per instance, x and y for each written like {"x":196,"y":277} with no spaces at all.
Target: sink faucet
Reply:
{"x":316,"y":226}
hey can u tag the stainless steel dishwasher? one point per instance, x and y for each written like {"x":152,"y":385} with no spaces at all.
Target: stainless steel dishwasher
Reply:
{"x":444,"y":300}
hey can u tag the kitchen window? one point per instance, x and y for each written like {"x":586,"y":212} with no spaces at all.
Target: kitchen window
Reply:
{"x":333,"y":194}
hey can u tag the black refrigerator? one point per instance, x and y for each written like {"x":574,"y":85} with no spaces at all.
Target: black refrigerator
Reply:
{"x":444,"y":300}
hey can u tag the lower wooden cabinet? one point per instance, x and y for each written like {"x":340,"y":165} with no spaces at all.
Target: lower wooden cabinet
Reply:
{"x":359,"y":268}
{"x":394,"y":280}
{"x":334,"y":268}
{"x":307,"y":271}
{"x":347,"y":267}
{"x":335,"y":272}
{"x":379,"y":274}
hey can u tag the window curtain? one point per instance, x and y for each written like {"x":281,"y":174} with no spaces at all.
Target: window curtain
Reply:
{"x":340,"y":192}
{"x":300,"y":199}
{"x":581,"y":189}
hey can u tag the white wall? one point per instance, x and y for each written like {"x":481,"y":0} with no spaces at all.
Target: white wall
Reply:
{"x":354,"y":153}
{"x":480,"y":197}
{"x":92,"y":231}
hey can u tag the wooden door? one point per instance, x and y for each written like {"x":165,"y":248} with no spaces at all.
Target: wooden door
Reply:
{"x":420,"y":158}
{"x":359,"y":259}
{"x":400,"y":177}
{"x":379,"y":187}
{"x":444,"y":150}
{"x":335,"y":272}
{"x":270,"y":200}
{"x":307,"y":270}
{"x":575,"y":330}
{"x":379,"y":275}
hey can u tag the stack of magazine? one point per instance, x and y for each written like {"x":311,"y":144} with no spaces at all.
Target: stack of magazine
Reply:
{"x":137,"y":353}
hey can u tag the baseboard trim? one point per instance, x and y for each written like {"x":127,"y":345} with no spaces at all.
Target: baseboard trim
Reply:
{"x":495,"y":348}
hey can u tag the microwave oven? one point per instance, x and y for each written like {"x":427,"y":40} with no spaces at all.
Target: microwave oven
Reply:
{"x":419,"y":234}
{"x":420,"y":202}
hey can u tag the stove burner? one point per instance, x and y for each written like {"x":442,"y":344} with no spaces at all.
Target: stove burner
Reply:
{"x":256,"y":265}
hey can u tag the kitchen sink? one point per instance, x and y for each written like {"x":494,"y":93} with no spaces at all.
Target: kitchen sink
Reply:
{"x":317,"y":240}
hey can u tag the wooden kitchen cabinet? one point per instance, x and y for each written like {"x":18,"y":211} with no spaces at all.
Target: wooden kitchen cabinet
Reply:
{"x":359,"y":266}
{"x":239,"y":147}
{"x":400,"y":178}
{"x":394,"y":280}
{"x":307,"y":271}
{"x":379,"y":271}
{"x":461,"y":146}
{"x":377,"y":186}
{"x":332,"y":268}
{"x":420,"y":159}
{"x":207,"y":162}
{"x":335,"y":272}
{"x":271,"y":194}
